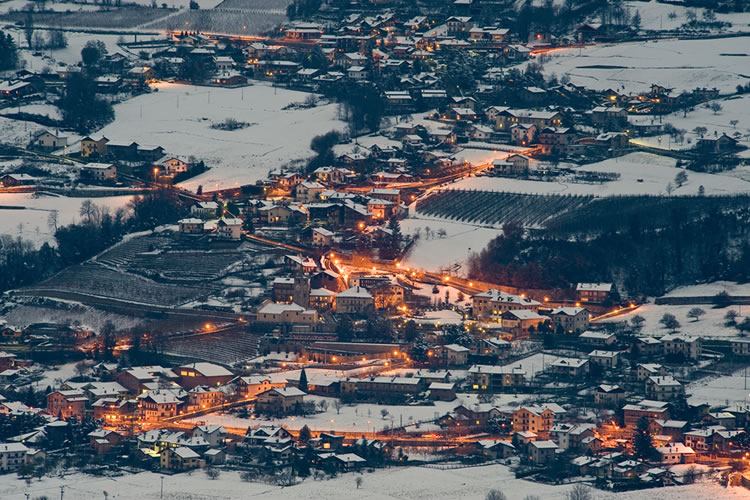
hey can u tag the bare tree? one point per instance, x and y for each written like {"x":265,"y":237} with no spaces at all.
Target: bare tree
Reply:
{"x":323,"y":405}
{"x":579,"y":492}
{"x":495,"y":495}
{"x":695,"y":313}
{"x":358,"y":481}
{"x":338,"y":405}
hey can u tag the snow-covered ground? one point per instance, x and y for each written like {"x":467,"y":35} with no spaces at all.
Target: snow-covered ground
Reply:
{"x":33,"y":223}
{"x":408,"y":483}
{"x":721,"y":391}
{"x":179,"y":118}
{"x":716,"y":123}
{"x":710,"y":289}
{"x":356,"y":418}
{"x":635,"y":66}
{"x":711,"y":324}
{"x":436,"y":253}
{"x":640,"y":173}
{"x":656,"y":16}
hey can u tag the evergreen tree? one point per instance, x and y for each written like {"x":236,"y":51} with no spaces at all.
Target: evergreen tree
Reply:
{"x":8,"y":52}
{"x":642,"y":443}
{"x":81,"y":108}
{"x":304,"y":433}
{"x":303,"y":381}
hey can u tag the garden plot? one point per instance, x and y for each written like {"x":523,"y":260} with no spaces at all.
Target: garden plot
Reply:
{"x":114,"y":19}
{"x":407,"y":483}
{"x":640,"y":173}
{"x":32,"y":221}
{"x":179,"y":118}
{"x":633,"y":67}
{"x":228,"y":22}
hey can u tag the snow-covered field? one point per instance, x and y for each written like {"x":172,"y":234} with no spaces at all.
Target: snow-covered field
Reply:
{"x":179,"y":118}
{"x":710,"y":289}
{"x":710,"y":325}
{"x":721,"y":391}
{"x":640,"y":173}
{"x":634,"y":67}
{"x":656,"y":16}
{"x":409,"y":483}
{"x":33,"y":223}
{"x":435,"y":253}
{"x":722,"y":122}
{"x":356,"y":418}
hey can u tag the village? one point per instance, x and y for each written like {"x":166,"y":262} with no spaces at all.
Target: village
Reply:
{"x":307,"y":253}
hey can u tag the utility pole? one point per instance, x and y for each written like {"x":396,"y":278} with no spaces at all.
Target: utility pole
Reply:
{"x":62,"y":491}
{"x":161,"y":491}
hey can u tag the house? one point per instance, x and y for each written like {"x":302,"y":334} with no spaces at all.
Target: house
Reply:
{"x":646,"y":370}
{"x":602,"y":115}
{"x":494,"y":302}
{"x":520,"y":322}
{"x":180,"y":459}
{"x":520,"y":163}
{"x":253,"y":385}
{"x":674,"y":430}
{"x":569,"y":367}
{"x":158,"y":404}
{"x":12,"y":456}
{"x":322,"y":299}
{"x":357,"y":73}
{"x":355,"y":300}
{"x":191,"y":226}
{"x":570,"y":319}
{"x":215,"y":456}
{"x":597,"y":338}
{"x":205,"y":209}
{"x":683,"y":345}
{"x":451,"y":355}
{"x":229,"y":228}
{"x":496,"y":449}
{"x":202,"y":397}
{"x":65,"y":404}
{"x":663,"y":388}
{"x":556,"y":140}
{"x":103,"y":440}
{"x":100,"y":172}
{"x":496,"y":346}
{"x":594,"y":292}
{"x":487,"y":378}
{"x":286,"y":314}
{"x":173,"y":166}
{"x":536,"y":418}
{"x":740,"y":347}
{"x":212,"y":434}
{"x":14,"y":180}
{"x":442,"y":391}
{"x":676,"y":453}
{"x":522,"y":134}
{"x":570,"y":436}
{"x":652,"y":410}
{"x":649,"y":346}
{"x":93,"y":146}
{"x":263,"y":434}
{"x":202,"y":373}
{"x":392,"y":195}
{"x":458,"y":24}
{"x":346,"y":461}
{"x":48,"y":140}
{"x":322,"y":237}
{"x":605,"y":359}
{"x":542,"y":452}
{"x":307,"y":192}
{"x":280,"y":400}
{"x":720,"y":144}
{"x":609,"y":395}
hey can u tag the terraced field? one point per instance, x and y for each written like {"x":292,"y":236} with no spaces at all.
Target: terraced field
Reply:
{"x":226,"y":348}
{"x":494,"y":208}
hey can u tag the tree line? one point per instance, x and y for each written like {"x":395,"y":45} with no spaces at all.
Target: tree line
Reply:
{"x":21,"y":264}
{"x":641,"y":260}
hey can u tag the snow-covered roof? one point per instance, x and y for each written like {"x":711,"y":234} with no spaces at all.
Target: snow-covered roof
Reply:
{"x":208,"y":369}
